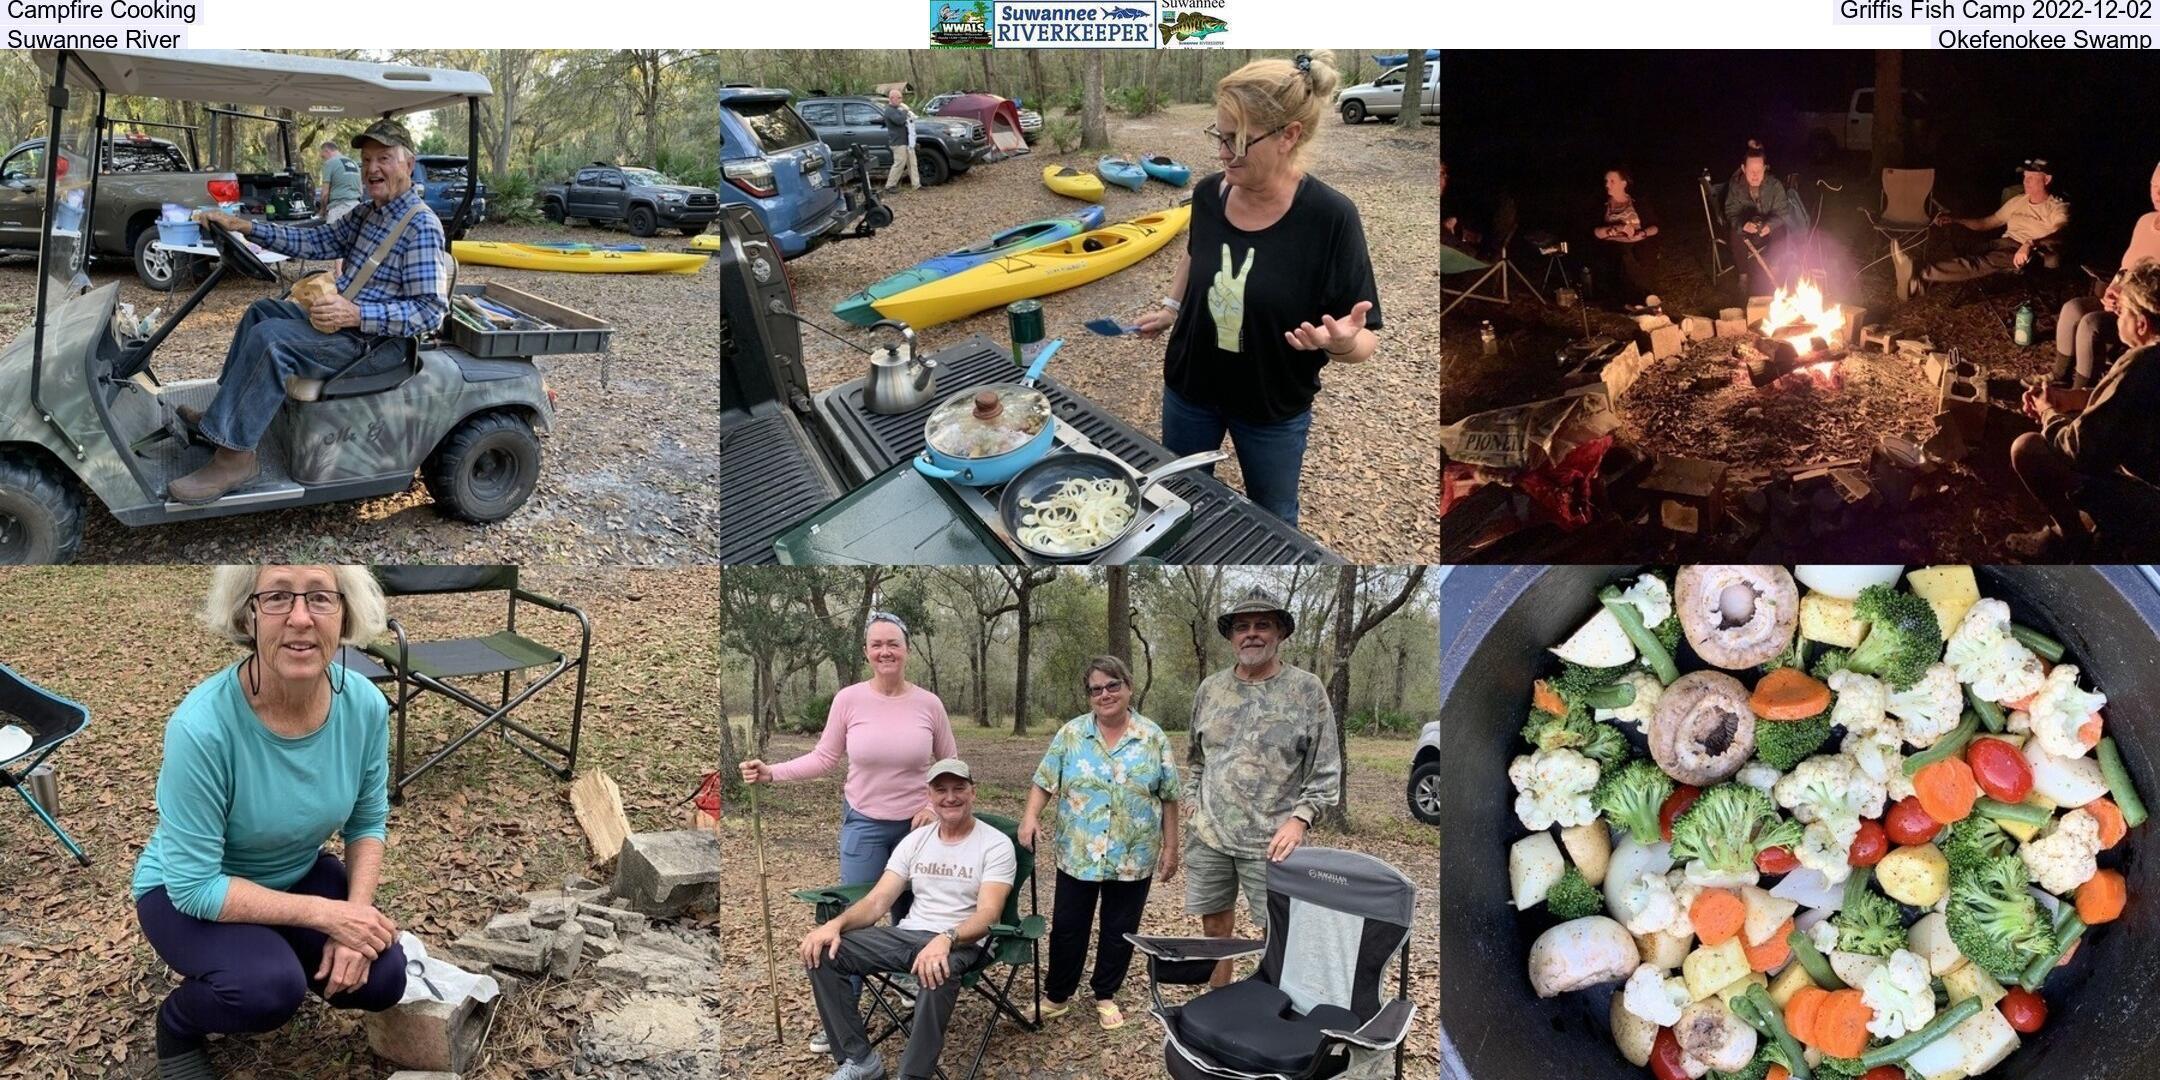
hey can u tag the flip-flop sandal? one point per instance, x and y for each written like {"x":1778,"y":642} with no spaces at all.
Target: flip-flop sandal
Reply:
{"x":1107,"y":1014}
{"x":1051,"y":1010}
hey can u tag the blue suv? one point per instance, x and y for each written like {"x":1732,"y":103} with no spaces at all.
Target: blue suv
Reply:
{"x":773,"y":163}
{"x":442,"y":179}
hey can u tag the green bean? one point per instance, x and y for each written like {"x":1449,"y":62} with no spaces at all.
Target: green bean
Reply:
{"x":1949,"y":746}
{"x":1755,"y":1009}
{"x":2018,"y":812}
{"x":1990,"y":713}
{"x":2049,"y":649}
{"x":2119,"y":785}
{"x":2067,"y":932}
{"x":1646,"y":642}
{"x":1811,"y":958}
{"x":1892,"y":1053}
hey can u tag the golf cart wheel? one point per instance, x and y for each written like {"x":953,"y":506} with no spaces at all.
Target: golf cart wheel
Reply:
{"x":1425,"y":793}
{"x":1353,"y":111}
{"x":159,"y":270}
{"x":41,"y":512}
{"x":486,"y":468}
{"x":934,"y":168}
{"x":553,"y":211}
{"x":641,"y":221}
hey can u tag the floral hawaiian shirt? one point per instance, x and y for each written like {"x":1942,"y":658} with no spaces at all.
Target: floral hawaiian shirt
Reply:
{"x":1109,"y":798}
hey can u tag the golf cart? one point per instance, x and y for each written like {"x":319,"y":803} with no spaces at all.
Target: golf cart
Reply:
{"x":82,"y":410}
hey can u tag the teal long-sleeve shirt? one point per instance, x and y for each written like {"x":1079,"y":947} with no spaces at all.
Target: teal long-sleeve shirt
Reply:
{"x":236,"y":800}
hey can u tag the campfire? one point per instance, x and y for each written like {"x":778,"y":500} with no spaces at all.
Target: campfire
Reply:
{"x":1804,"y":337}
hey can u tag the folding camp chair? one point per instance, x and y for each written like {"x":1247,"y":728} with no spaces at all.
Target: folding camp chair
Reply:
{"x":1907,"y":213}
{"x":430,"y":666}
{"x":1014,"y":942}
{"x":1455,"y":263}
{"x":50,"y":720}
{"x":1313,"y":1008}
{"x":1723,"y":258}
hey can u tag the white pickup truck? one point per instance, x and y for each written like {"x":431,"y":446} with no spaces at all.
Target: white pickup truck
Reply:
{"x":1826,"y":133}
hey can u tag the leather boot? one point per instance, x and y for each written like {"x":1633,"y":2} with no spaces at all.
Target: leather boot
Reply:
{"x":228,"y":469}
{"x":2061,"y":375}
{"x":2081,"y":381}
{"x":189,"y":414}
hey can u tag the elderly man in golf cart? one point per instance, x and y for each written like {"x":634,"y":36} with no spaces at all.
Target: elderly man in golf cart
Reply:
{"x":391,"y":287}
{"x":960,"y":871}
{"x":1260,"y":765}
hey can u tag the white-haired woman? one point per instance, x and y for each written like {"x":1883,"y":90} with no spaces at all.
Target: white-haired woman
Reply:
{"x":1275,"y":284}
{"x":264,"y":760}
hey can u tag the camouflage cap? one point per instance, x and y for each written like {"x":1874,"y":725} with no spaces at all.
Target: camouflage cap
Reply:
{"x":387,"y":132}
{"x":1256,"y":600}
{"x":951,"y":766}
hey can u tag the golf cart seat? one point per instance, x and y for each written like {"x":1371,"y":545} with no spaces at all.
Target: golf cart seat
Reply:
{"x":356,"y":385}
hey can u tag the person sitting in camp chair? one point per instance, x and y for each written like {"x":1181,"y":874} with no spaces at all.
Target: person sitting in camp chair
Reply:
{"x":392,"y":286}
{"x":1454,"y":232}
{"x":2032,"y":222}
{"x":1763,"y":218}
{"x":960,"y":871}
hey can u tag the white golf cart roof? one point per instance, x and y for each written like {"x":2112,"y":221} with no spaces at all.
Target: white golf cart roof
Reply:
{"x":305,"y":84}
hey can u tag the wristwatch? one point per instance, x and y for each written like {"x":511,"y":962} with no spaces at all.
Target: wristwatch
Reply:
{"x":952,"y":939}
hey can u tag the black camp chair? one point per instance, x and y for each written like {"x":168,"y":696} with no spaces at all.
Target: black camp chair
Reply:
{"x":1313,"y":1009}
{"x":1014,"y":942}
{"x":51,"y":720}
{"x":415,"y":668}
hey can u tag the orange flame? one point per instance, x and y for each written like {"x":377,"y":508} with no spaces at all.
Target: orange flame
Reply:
{"x":1799,"y":314}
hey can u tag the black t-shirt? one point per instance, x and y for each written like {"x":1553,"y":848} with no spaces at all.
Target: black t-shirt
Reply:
{"x":1311,"y":262}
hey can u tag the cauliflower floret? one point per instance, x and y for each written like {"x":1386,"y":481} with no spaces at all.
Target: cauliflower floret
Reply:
{"x":2063,"y":859}
{"x":1646,"y":906}
{"x":2060,"y":709}
{"x":1651,"y":597}
{"x":1997,"y":665}
{"x":1821,"y":851}
{"x":1758,"y":775}
{"x":1871,"y":736}
{"x":1652,"y":996}
{"x":1637,"y":712}
{"x":1829,"y":794}
{"x":2020,"y":722}
{"x":1554,"y":787}
{"x":1930,"y":707}
{"x":1899,"y":993}
{"x":1824,"y":935}
{"x":1684,"y":893}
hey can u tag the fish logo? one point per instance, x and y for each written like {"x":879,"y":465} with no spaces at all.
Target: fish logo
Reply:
{"x":1192,"y":25}
{"x":1125,"y":13}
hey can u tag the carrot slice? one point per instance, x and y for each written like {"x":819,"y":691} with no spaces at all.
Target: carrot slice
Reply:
{"x":1946,"y":790}
{"x":2089,"y":731}
{"x":2110,"y":817}
{"x":1543,"y":696}
{"x":1841,"y":1026}
{"x":1801,"y":1011}
{"x":1778,"y":1072}
{"x":1789,"y":694}
{"x":1772,"y":953}
{"x":2101,"y":898}
{"x":1717,"y":915}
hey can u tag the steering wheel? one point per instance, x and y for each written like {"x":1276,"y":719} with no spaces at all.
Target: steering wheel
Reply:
{"x":236,"y":253}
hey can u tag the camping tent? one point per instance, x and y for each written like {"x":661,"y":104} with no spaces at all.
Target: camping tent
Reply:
{"x":999,"y":117}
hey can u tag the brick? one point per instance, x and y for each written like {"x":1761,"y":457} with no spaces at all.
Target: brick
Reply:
{"x":624,"y":921}
{"x":1666,"y":341}
{"x":527,"y":957}
{"x":440,"y":1036}
{"x":1732,"y":328}
{"x":667,"y":874}
{"x":1697,"y":327}
{"x":566,"y":947}
{"x":516,"y":926}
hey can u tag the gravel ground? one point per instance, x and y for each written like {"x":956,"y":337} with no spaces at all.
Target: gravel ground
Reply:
{"x":629,"y":475}
{"x":1371,"y":475}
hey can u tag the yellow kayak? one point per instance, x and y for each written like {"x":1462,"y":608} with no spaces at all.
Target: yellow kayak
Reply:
{"x":533,"y":257}
{"x":1051,"y":268}
{"x":1073,"y":182}
{"x":705,"y":242}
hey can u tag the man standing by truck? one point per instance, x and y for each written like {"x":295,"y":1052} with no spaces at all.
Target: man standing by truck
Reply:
{"x":900,"y":135}
{"x":340,"y":181}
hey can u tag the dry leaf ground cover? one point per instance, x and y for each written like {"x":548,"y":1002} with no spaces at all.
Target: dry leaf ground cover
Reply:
{"x":1371,"y":474}
{"x":484,"y":826}
{"x":802,"y":820}
{"x":629,"y":474}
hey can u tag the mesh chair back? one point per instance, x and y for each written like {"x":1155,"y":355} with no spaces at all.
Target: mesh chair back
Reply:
{"x":1335,"y":920}
{"x":1905,"y":194}
{"x":49,"y":718}
{"x":1023,"y":869}
{"x":425,"y":580}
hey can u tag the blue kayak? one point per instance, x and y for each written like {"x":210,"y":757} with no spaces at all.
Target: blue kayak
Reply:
{"x":1121,"y":171}
{"x":858,"y":310}
{"x":579,"y":245}
{"x":1166,"y":170}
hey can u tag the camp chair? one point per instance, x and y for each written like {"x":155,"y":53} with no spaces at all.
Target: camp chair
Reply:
{"x":51,"y":720}
{"x":1313,"y":1008}
{"x":1014,"y":942}
{"x":1723,"y":258}
{"x":1457,"y":263}
{"x":1907,"y":213}
{"x":415,"y":668}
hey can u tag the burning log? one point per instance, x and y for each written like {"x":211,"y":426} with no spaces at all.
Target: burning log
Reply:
{"x":1784,"y":358}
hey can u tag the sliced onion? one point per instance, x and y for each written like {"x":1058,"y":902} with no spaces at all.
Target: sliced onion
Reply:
{"x":1078,"y":515}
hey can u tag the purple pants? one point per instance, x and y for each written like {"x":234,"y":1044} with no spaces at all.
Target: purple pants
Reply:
{"x":246,"y":977}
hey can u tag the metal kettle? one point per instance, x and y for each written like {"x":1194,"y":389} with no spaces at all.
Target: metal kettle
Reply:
{"x":900,"y":381}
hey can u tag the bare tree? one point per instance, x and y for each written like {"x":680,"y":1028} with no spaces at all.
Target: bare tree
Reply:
{"x":1147,"y":656}
{"x":1094,"y":126}
{"x":1023,"y":581}
{"x":988,"y":599}
{"x":1200,"y":587}
{"x":1413,"y":90}
{"x":1350,"y":628}
{"x":1889,"y":137}
{"x":1118,"y":641}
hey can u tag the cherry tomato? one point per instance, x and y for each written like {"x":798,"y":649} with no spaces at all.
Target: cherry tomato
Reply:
{"x":2024,"y":1009}
{"x":2000,"y":770}
{"x":1665,"y":1057}
{"x":1776,"y":860}
{"x":1868,"y":846}
{"x":1682,"y":797}
{"x":1908,"y":824}
{"x":1884,"y":1072}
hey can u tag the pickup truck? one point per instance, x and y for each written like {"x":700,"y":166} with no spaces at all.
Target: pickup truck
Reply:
{"x":441,"y":179}
{"x":789,"y":454}
{"x":944,"y":147}
{"x":138,"y":176}
{"x":1826,"y":133}
{"x":1383,"y":96}
{"x":643,"y":200}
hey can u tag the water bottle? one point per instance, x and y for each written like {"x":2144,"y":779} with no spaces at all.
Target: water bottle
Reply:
{"x":1489,"y":339}
{"x":2023,"y":334}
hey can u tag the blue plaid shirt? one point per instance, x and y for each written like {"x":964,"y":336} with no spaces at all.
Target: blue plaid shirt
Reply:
{"x":409,"y":295}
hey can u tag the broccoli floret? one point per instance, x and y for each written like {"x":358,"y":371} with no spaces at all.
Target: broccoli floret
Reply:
{"x":1756,"y":1069}
{"x":1994,"y":921}
{"x":1794,"y":657}
{"x":1903,"y":638}
{"x":1870,"y":924}
{"x":1840,"y":1069}
{"x":1782,"y":744}
{"x":1588,"y":688}
{"x":1602,"y":743}
{"x":1726,"y":827}
{"x":1630,"y":796}
{"x":1830,"y":662}
{"x":1572,"y":897}
{"x":1972,"y":842}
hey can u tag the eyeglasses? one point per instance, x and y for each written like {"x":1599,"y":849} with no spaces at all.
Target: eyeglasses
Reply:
{"x":280,"y":601}
{"x":1226,"y":142}
{"x":1111,"y":687}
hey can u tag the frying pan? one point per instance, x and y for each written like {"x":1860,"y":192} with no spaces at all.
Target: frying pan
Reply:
{"x":1043,"y":477}
{"x":2104,"y":1015}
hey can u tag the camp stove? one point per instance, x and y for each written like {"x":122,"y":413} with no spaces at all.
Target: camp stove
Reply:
{"x":1163,"y":517}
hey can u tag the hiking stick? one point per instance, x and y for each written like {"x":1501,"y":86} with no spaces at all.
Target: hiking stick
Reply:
{"x":772,"y":970}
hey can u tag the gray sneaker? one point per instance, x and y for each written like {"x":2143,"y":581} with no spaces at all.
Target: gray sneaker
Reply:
{"x":869,"y":1068}
{"x":819,"y":1043}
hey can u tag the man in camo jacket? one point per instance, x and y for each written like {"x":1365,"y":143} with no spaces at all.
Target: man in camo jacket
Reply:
{"x":1263,"y":761}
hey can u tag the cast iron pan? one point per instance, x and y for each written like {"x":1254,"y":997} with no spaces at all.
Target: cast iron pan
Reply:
{"x":1043,"y":477}
{"x":2103,"y":1009}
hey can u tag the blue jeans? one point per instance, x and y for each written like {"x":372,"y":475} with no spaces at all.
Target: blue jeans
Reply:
{"x":275,"y":340}
{"x":1270,"y":455}
{"x":866,"y":845}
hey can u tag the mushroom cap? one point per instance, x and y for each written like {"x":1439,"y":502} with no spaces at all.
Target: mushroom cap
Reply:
{"x":1709,"y":1032}
{"x":1579,"y":953}
{"x":1737,"y":615}
{"x":1702,"y":731}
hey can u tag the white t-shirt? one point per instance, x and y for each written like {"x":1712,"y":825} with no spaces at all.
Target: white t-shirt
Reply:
{"x":2025,"y":220}
{"x":947,"y":877}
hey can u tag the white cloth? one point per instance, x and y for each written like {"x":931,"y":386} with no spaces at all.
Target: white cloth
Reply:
{"x":456,"y":983}
{"x":946,"y":877}
{"x":13,"y":741}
